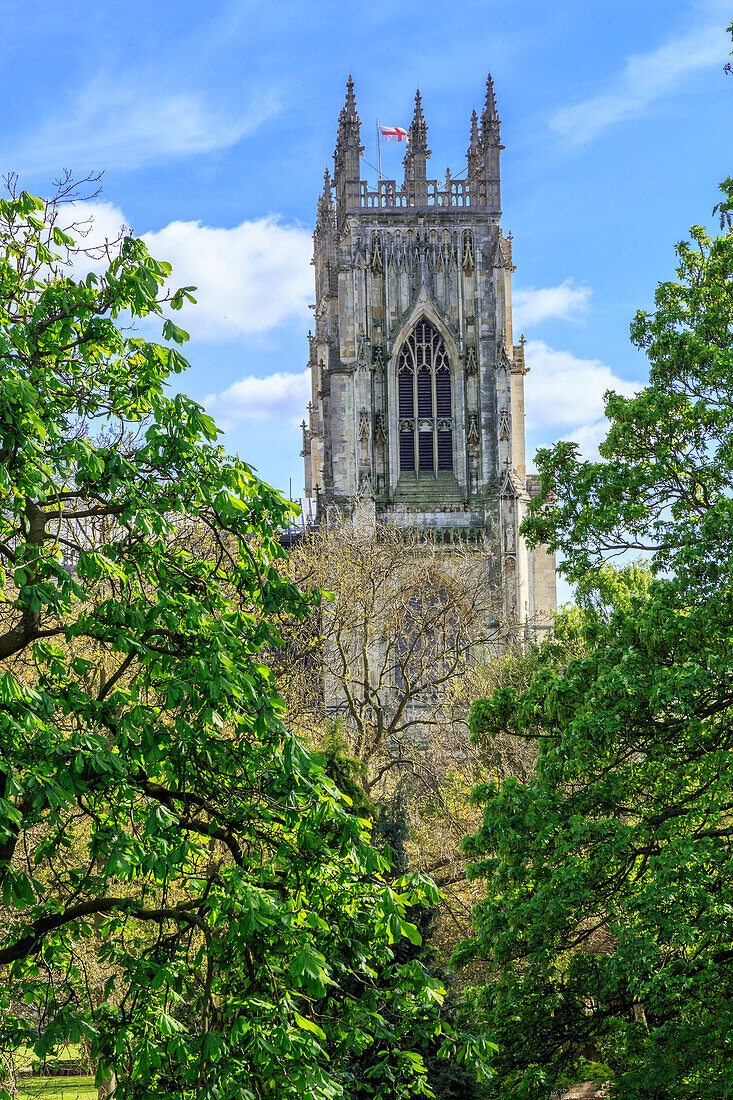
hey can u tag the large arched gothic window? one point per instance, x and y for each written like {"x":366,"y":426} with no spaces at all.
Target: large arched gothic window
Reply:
{"x":424,"y":401}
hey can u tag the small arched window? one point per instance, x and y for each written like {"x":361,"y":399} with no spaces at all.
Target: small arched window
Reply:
{"x":424,"y":401}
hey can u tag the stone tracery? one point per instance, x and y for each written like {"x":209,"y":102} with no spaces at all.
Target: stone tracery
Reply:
{"x":425,"y":403}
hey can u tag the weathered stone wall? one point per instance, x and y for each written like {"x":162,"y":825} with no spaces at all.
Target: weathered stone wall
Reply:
{"x":383,"y":261}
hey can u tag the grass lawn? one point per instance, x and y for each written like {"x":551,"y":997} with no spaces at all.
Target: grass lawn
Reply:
{"x":58,"y":1088}
{"x":69,"y":1052}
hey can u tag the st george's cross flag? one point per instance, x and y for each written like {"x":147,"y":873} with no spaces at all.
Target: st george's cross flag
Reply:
{"x":393,"y":133}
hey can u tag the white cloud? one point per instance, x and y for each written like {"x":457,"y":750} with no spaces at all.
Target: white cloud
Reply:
{"x":92,"y":224}
{"x":279,"y":396}
{"x":565,"y":393}
{"x":126,"y":123}
{"x":249,"y":278}
{"x":589,"y":438}
{"x":532,"y":305}
{"x":645,"y":78}
{"x":97,"y":221}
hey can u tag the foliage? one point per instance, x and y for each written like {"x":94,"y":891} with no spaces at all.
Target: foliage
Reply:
{"x":608,"y":916}
{"x":407,"y":623}
{"x":391,"y":833}
{"x":152,"y":804}
{"x":332,"y":753}
{"x":404,"y":618}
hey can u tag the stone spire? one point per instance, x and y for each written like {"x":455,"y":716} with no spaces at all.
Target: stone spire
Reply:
{"x":348,"y":140}
{"x":489,"y":118}
{"x":474,"y":147}
{"x":350,"y":105}
{"x":491,"y":147}
{"x":325,"y":232}
{"x":325,"y":202}
{"x":416,"y":157}
{"x":475,"y":157}
{"x":418,"y":130}
{"x":346,"y":155}
{"x":348,"y":119}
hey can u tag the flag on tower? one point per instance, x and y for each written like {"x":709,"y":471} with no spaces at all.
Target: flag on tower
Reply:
{"x":393,"y":133}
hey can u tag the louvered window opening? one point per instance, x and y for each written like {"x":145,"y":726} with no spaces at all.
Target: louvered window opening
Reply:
{"x":424,"y":399}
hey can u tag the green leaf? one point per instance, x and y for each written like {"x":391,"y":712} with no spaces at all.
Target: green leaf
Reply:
{"x":308,"y":1025}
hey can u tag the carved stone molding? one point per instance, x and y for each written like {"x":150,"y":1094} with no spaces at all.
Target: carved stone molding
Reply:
{"x":471,"y":361}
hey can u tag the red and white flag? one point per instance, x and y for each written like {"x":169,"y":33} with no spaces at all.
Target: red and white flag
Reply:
{"x":393,"y":133}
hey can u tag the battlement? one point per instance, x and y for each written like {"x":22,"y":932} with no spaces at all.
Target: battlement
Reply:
{"x":479,"y":190}
{"x":448,"y":194}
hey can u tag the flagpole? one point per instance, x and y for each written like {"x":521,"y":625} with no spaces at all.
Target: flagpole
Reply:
{"x":379,"y":151}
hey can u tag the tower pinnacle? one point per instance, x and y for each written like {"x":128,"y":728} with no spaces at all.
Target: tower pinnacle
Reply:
{"x":346,"y":155}
{"x":349,"y":108}
{"x":416,"y":156}
{"x":474,"y":148}
{"x":418,"y":129}
{"x":475,"y":157}
{"x":489,"y":118}
{"x":325,"y":202}
{"x":348,"y":131}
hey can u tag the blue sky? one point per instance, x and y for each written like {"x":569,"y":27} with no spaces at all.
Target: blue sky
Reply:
{"x":214,"y":123}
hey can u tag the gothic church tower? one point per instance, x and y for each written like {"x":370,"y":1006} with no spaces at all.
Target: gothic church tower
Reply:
{"x":418,"y":387}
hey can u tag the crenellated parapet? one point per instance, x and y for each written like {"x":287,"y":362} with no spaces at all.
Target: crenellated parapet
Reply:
{"x":449,"y":194}
{"x":480,"y":190}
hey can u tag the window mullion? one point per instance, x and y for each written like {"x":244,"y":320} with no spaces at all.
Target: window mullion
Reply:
{"x":424,"y":350}
{"x":416,"y":415}
{"x":434,"y":396}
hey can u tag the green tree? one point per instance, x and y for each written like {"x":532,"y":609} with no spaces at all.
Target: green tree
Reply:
{"x":153,"y":809}
{"x":405,"y":618}
{"x":608,"y":919}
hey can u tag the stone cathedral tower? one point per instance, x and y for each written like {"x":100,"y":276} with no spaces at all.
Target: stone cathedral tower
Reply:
{"x":418,"y":386}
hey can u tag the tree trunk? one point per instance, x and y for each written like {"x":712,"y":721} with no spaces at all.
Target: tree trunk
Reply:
{"x":107,"y":1087}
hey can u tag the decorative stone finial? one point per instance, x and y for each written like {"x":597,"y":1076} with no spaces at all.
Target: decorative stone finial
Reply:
{"x":350,"y":105}
{"x":489,"y":118}
{"x":348,"y":131}
{"x":474,"y":148}
{"x":418,"y":130}
{"x":475,"y":158}
{"x":325,"y":202}
{"x":346,"y":155}
{"x":417,"y":155}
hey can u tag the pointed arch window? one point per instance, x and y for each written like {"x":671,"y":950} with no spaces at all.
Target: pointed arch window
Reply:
{"x":424,"y":401}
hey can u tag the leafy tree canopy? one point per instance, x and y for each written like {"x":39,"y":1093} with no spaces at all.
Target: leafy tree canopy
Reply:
{"x":183,"y":886}
{"x":608,"y":916}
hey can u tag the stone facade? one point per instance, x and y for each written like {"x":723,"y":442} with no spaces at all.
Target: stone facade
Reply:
{"x":418,"y":386}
